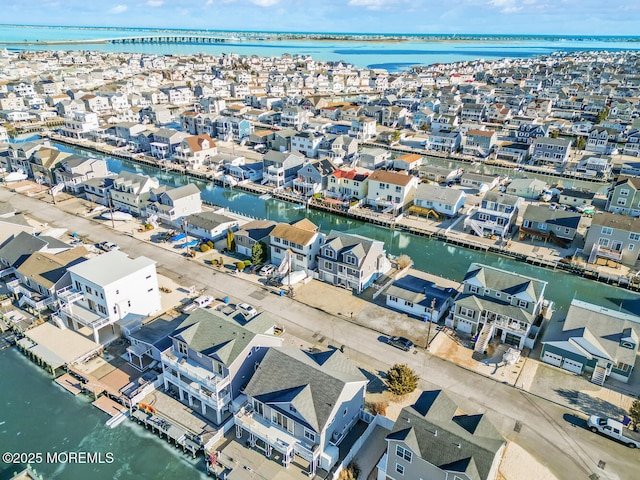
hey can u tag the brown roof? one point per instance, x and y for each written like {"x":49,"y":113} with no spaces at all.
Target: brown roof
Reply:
{"x":482,"y":133}
{"x":195,"y":141}
{"x":410,"y":157}
{"x":46,"y":268}
{"x":634,"y":181}
{"x":391,"y":177}
{"x":306,"y":224}
{"x":293,"y":234}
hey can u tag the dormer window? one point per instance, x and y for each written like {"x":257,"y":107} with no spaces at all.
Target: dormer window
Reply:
{"x":627,"y":344}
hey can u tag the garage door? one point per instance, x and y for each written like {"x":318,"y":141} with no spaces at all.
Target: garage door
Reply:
{"x":552,"y":358}
{"x":464,"y":326}
{"x":572,"y":366}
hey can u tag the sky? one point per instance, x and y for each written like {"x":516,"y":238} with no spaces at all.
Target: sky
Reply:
{"x":560,"y":17}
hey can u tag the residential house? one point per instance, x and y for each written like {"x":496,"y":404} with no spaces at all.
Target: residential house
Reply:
{"x":212,"y":358}
{"x":351,"y":261}
{"x":602,"y":140}
{"x":233,"y":129}
{"x":281,"y":140}
{"x":439,"y":174}
{"x":43,"y":162}
{"x":514,"y":152}
{"x":543,"y":223}
{"x":496,"y":215}
{"x":210,"y":225}
{"x":420,"y":297}
{"x":302,"y":403}
{"x":435,"y":439}
{"x":575,"y":197}
{"x":527,"y":188}
{"x":80,"y":124}
{"x":555,"y":151}
{"x":598,"y":166}
{"x":632,"y":146}
{"x":444,"y":141}
{"x":473,"y":112}
{"x":295,"y":246}
{"x":624,"y":197}
{"x":195,"y":150}
{"x":373,"y":158}
{"x":109,"y":294}
{"x":338,"y":148}
{"x":431,"y":199}
{"x":294,"y":117}
{"x":74,"y":170}
{"x":307,"y":143}
{"x":479,"y":181}
{"x":391,"y":191}
{"x":251,"y":233}
{"x":171,"y":205}
{"x":596,"y":340}
{"x":530,"y":132}
{"x":348,"y":184}
{"x":128,"y":192}
{"x":613,"y":237}
{"x":480,"y":143}
{"x":495,"y":303}
{"x":313,"y":177}
{"x":363,"y":128}
{"x":281,"y":168}
{"x":165,"y":141}
{"x":408,"y":162}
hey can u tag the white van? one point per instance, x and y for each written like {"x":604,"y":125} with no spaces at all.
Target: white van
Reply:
{"x":203,"y":301}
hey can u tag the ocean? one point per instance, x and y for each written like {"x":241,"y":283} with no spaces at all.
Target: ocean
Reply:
{"x":380,"y":53}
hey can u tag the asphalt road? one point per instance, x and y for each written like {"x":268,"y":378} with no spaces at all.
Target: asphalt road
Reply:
{"x":552,"y":433}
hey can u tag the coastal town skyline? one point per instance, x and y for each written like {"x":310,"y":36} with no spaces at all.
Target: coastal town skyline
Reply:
{"x":503,"y":17}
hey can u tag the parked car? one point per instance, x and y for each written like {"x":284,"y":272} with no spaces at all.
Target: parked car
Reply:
{"x":401,"y":343}
{"x":247,"y":310}
{"x":614,"y":429}
{"x":267,"y":270}
{"x":108,"y":246}
{"x":203,"y":301}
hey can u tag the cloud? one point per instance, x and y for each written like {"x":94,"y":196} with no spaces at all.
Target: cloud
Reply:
{"x":118,"y":9}
{"x":265,"y":3}
{"x":372,"y":4}
{"x":155,"y":3}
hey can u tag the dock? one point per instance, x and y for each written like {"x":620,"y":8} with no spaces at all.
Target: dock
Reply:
{"x":165,"y":429}
{"x":69,"y":383}
{"x":108,"y":406}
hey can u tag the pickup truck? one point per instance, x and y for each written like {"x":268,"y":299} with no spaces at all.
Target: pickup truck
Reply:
{"x":614,"y":429}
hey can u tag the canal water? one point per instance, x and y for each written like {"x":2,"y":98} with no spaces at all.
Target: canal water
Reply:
{"x":37,"y":416}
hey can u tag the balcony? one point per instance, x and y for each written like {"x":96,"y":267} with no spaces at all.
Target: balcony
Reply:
{"x":198,"y":391}
{"x":602,"y":252}
{"x":86,"y":317}
{"x":201,"y":375}
{"x":69,"y":294}
{"x":503,"y":322}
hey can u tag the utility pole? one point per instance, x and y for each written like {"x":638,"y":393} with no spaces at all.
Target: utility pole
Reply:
{"x":433,"y":306}
{"x":113,"y":224}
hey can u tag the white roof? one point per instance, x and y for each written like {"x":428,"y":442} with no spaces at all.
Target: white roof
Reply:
{"x":110,"y":267}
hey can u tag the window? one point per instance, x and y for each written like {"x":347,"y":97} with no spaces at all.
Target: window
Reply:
{"x":183,"y":348}
{"x":403,"y":453}
{"x":278,"y":250}
{"x":606,"y":230}
{"x":624,"y":192}
{"x":258,"y":407}
{"x":399,"y":469}
{"x":148,"y":277}
{"x":621,"y":201}
{"x":78,"y":286}
{"x":473,"y":289}
{"x":634,"y":236}
{"x":327,"y":265}
{"x":542,"y":226}
{"x":631,"y":247}
{"x":115,"y":309}
{"x":466,"y":312}
{"x":623,"y":367}
{"x":309,"y":435}
{"x":408,"y":304}
{"x":603,"y":242}
{"x":523,"y":303}
{"x":398,"y":189}
{"x":392,"y":298}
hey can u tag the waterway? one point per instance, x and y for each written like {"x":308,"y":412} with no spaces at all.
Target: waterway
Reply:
{"x":390,"y":55}
{"x":37,"y":416}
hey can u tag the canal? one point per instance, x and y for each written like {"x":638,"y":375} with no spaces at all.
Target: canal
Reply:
{"x":430,"y":255}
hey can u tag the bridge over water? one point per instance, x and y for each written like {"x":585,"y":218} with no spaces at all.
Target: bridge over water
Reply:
{"x":190,"y":39}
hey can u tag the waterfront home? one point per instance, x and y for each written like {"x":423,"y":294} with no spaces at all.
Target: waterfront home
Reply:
{"x":613,"y":237}
{"x":603,"y":140}
{"x":595,"y":340}
{"x":232,"y":128}
{"x":473,"y":112}
{"x":496,"y":215}
{"x":480,"y":143}
{"x":41,"y":164}
{"x":196,"y":150}
{"x":443,"y":201}
{"x":391,"y":191}
{"x":434,"y":438}
{"x":251,"y":233}
{"x":281,"y":140}
{"x":109,"y":294}
{"x":551,"y":151}
{"x":631,"y":169}
{"x":302,"y":403}
{"x":165,"y":141}
{"x":479,"y":181}
{"x":575,"y":197}
{"x":632,"y":146}
{"x":80,"y":124}
{"x":624,"y":197}
{"x":351,"y":261}
{"x":313,"y":177}
{"x":212,"y":358}
{"x":373,"y":158}
{"x":543,"y":223}
{"x":295,"y":246}
{"x":42,"y":274}
{"x":415,"y":296}
{"x":128,"y":192}
{"x":124,"y":132}
{"x":209,"y":225}
{"x":363,"y":128}
{"x":443,"y":122}
{"x":495,"y":303}
{"x":307,"y":143}
{"x":338,"y":148}
{"x":514,"y":152}
{"x":527,"y":188}
{"x":444,"y":141}
{"x":438,"y":174}
{"x":281,"y":168}
{"x":171,"y":205}
{"x":529,"y":132}
{"x":598,"y":166}
{"x":348,"y":183}
{"x":294,"y":117}
{"x":408,"y":162}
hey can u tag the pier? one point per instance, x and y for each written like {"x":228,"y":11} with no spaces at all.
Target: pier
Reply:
{"x":173,"y":39}
{"x":165,"y":429}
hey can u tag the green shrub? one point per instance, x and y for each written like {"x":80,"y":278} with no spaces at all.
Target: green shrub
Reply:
{"x":240,"y":266}
{"x":247,"y":263}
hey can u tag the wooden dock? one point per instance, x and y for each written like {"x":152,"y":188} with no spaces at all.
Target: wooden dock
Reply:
{"x":108,"y":406}
{"x":166,"y":429}
{"x":69,"y":383}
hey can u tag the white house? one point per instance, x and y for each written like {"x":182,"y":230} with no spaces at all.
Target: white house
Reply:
{"x":296,"y":246}
{"x":391,"y":191}
{"x":170,"y":205}
{"x":444,"y":201}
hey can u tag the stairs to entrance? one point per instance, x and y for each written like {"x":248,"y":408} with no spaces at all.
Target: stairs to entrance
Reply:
{"x":599,"y":375}
{"x":485,"y":336}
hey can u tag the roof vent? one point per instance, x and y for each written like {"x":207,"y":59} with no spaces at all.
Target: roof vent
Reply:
{"x":458,"y":445}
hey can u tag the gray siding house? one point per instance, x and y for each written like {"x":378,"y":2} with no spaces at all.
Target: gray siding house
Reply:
{"x":557,"y":226}
{"x":614,"y":237}
{"x":554,"y":151}
{"x":431,"y":198}
{"x":624,"y":197}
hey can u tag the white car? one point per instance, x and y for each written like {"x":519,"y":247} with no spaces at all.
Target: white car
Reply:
{"x":247,"y":310}
{"x":267,"y":270}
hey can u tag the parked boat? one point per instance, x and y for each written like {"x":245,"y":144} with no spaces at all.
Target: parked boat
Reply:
{"x":16,"y":176}
{"x":120,"y":216}
{"x":293,"y":278}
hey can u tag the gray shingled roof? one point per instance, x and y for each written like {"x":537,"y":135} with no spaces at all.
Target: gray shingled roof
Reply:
{"x":434,"y":429}
{"x":544,"y":214}
{"x":310,"y":382}
{"x":208,"y":220}
{"x":17,"y":250}
{"x":507,"y":282}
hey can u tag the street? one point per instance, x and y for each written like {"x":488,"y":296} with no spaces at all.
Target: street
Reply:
{"x":548,"y":431}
